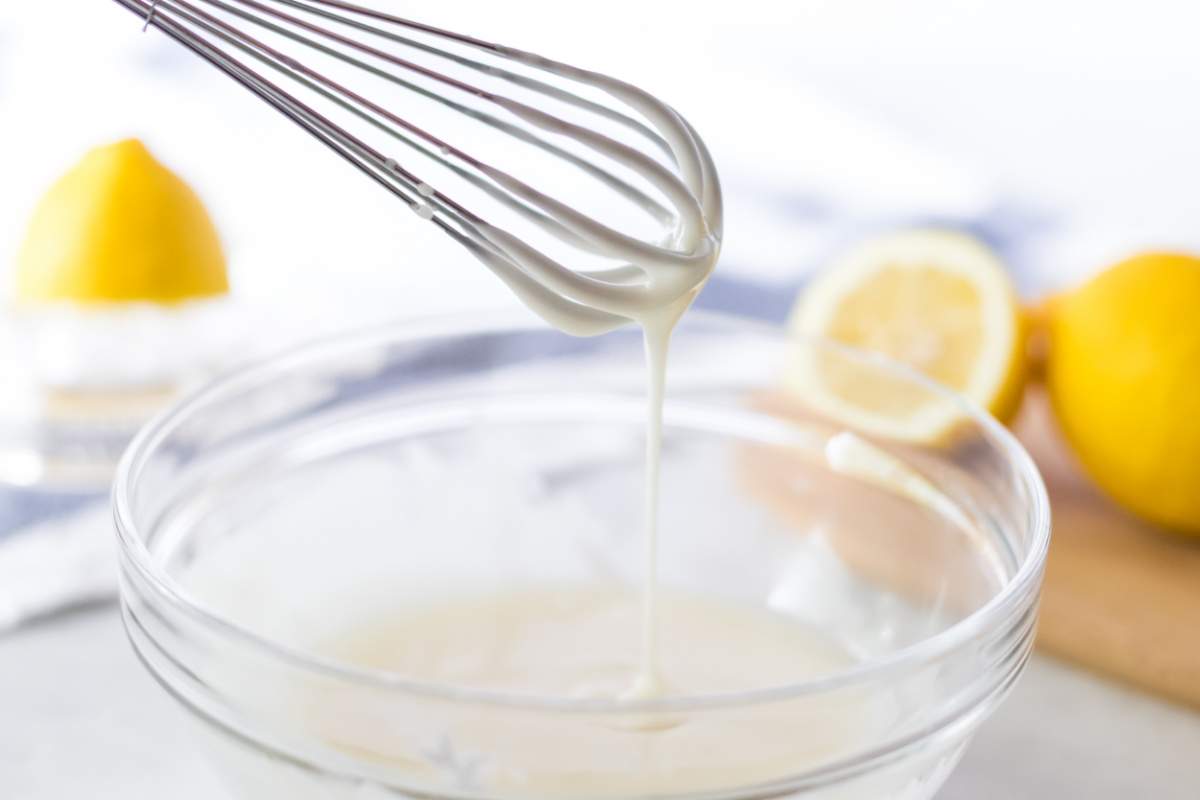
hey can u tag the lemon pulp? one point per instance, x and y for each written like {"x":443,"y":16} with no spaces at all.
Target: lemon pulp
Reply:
{"x":938,"y":301}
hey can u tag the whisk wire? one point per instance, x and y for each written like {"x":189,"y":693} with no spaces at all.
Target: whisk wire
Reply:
{"x":340,"y":94}
{"x":665,"y":180}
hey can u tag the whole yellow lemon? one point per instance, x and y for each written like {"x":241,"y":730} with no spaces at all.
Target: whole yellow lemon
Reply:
{"x":119,"y":226}
{"x":1124,"y":375}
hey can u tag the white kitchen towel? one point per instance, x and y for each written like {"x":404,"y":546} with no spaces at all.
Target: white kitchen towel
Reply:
{"x":61,"y":562}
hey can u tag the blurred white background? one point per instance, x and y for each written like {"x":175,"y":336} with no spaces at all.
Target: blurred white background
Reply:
{"x":1063,"y":131}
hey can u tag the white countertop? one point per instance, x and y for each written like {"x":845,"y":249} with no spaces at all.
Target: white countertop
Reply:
{"x":72,"y":693}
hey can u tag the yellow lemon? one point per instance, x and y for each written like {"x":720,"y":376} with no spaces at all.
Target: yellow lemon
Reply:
{"x":119,"y":226}
{"x":1124,"y":375}
{"x":937,"y":300}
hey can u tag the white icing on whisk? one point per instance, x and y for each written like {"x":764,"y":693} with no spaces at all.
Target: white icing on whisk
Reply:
{"x":541,"y":103}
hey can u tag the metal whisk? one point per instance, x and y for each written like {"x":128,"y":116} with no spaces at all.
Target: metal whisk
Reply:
{"x":614,"y":183}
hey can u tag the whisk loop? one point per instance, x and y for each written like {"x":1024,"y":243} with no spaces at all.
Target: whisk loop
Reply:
{"x":516,"y":133}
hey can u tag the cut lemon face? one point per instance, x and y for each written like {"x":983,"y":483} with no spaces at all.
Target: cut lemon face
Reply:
{"x":940,"y":302}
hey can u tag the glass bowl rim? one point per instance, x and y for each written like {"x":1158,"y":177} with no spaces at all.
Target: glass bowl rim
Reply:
{"x":1018,"y":589}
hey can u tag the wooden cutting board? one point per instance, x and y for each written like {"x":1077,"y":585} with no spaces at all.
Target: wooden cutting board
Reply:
{"x":1120,"y":596}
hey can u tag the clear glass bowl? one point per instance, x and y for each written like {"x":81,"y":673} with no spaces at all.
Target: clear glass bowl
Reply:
{"x":271,"y":508}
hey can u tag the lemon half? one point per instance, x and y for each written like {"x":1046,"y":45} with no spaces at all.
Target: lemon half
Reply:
{"x":939,"y":301}
{"x":120,"y":227}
